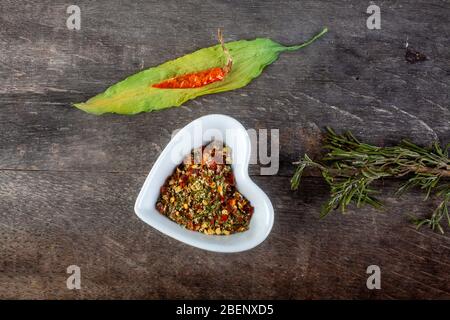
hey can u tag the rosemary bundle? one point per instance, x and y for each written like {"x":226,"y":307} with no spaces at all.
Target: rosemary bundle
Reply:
{"x":349,"y":167}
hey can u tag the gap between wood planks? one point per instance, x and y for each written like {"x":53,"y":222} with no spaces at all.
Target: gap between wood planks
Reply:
{"x":282,"y":175}
{"x":119,"y":171}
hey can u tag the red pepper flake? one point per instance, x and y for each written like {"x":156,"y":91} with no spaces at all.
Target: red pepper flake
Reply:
{"x":212,"y":165}
{"x":229,"y":178}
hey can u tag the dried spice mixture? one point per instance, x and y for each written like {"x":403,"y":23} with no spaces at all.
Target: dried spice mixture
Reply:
{"x":201,"y":194}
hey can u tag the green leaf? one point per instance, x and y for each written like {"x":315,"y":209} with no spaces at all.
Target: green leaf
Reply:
{"x":136,"y":94}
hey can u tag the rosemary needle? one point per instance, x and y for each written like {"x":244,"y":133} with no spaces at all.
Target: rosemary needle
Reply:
{"x":349,"y":167}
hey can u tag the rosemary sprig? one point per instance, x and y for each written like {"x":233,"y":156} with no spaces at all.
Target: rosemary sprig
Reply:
{"x":350,"y":166}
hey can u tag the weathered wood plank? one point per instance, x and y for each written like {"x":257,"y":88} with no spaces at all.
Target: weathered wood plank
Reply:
{"x":352,"y":79}
{"x":50,"y":220}
{"x":68,"y":180}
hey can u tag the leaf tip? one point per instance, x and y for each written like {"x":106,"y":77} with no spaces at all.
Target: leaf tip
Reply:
{"x":85,"y":107}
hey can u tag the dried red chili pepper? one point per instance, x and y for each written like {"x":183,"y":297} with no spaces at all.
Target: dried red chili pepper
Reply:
{"x":201,"y":78}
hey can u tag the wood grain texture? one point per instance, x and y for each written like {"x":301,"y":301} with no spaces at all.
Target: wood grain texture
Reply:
{"x":65,"y":218}
{"x":68,"y":180}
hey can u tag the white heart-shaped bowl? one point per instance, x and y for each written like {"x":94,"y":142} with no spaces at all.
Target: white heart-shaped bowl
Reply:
{"x":197,"y":133}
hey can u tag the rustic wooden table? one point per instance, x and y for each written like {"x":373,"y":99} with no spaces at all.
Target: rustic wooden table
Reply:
{"x":68,"y":180}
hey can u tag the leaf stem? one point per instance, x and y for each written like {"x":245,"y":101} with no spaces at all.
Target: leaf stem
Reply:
{"x":307,"y":43}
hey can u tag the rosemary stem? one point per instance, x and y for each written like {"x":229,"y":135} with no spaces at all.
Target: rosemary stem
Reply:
{"x":434,"y":171}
